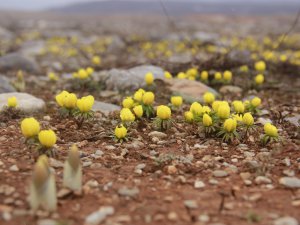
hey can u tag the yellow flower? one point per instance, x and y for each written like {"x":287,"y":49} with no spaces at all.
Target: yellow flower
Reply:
{"x":96,"y":60}
{"x":237,"y":117}
{"x":181,"y":75}
{"x":238,"y":106}
{"x":260,"y":66}
{"x":126,"y":115}
{"x":120,"y":132}
{"x":176,"y":101}
{"x":206,"y":109}
{"x":60,"y":98}
{"x":215,"y":105}
{"x":148,"y":98}
{"x":196,"y":108}
{"x":138,"y":111}
{"x":227,"y":75}
{"x":204,"y":75}
{"x":168,"y":75}
{"x":223,"y":111}
{"x":47,"y":138}
{"x":207,"y":121}
{"x":12,"y":102}
{"x":244,"y":68}
{"x":138,"y":95}
{"x":256,"y":101}
{"x":82,"y":74}
{"x":149,"y":78}
{"x":230,"y":125}
{"x":259,"y":79}
{"x":270,"y":130}
{"x":163,"y":112}
{"x":218,"y":76}
{"x":192,"y":72}
{"x":52,"y":76}
{"x":248,"y":119}
{"x":189,"y":116}
{"x":30,"y":127}
{"x":85,"y":104}
{"x":128,"y":103}
{"x":70,"y":101}
{"x":90,"y":70}
{"x":208,"y":97}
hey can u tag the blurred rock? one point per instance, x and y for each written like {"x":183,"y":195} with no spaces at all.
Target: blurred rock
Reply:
{"x":32,"y":48}
{"x":5,"y":86}
{"x":105,"y":108}
{"x":26,"y":102}
{"x":239,"y":57}
{"x":290,"y":182}
{"x":230,"y":89}
{"x":190,"y":90}
{"x":17,"y":61}
{"x":132,"y":79}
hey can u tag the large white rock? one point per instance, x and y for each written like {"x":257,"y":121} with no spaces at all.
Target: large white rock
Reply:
{"x":105,"y":108}
{"x":26,"y":102}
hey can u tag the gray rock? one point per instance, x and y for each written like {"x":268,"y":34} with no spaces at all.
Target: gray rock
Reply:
{"x":287,"y":220}
{"x":116,"y":45}
{"x":290,"y":182}
{"x":295,"y":120}
{"x":190,"y":90}
{"x":5,"y":34}
{"x":220,"y":173}
{"x":5,"y":86}
{"x":230,"y":89}
{"x":262,"y":180}
{"x":199,"y":184}
{"x":240,"y":57}
{"x":26,"y":102}
{"x":47,"y":222}
{"x":157,"y":134}
{"x":99,"y":216}
{"x":105,"y":108}
{"x":32,"y":48}
{"x":128,"y":192}
{"x":17,"y":61}
{"x":191,"y":204}
{"x":180,"y":59}
{"x":125,"y":80}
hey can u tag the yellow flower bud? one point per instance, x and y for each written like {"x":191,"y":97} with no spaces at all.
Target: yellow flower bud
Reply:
{"x":230,"y":125}
{"x":60,"y":98}
{"x":82,"y":74}
{"x":52,"y":76}
{"x":149,"y":78}
{"x":208,"y":97}
{"x":256,"y":101}
{"x":128,"y":103}
{"x":12,"y":102}
{"x":223,"y":111}
{"x":30,"y":127}
{"x":47,"y":138}
{"x":215,"y":105}
{"x":70,"y":101}
{"x":85,"y":104}
{"x":248,"y":119}
{"x":176,"y":101}
{"x":181,"y":75}
{"x":238,"y":106}
{"x":227,"y":75}
{"x":96,"y":60}
{"x":204,"y":75}
{"x":138,"y":95}
{"x":126,"y":115}
{"x":270,"y":130}
{"x":260,"y":66}
{"x":168,"y":75}
{"x":89,"y":71}
{"x":189,"y":116}
{"x":163,"y":112}
{"x":218,"y":76}
{"x":120,"y":132}
{"x":192,"y":72}
{"x":138,"y":111}
{"x":206,"y":109}
{"x":244,"y":68}
{"x":148,"y":98}
{"x":207,"y":121}
{"x":196,"y":108}
{"x":259,"y":79}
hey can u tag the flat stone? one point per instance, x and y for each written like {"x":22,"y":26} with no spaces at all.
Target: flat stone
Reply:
{"x":295,"y":120}
{"x":99,"y":216}
{"x":14,"y":168}
{"x":157,"y":134}
{"x":190,"y":90}
{"x":287,"y":220}
{"x":191,"y":204}
{"x":130,"y":192}
{"x":26,"y":102}
{"x":105,"y":108}
{"x":290,"y":182}
{"x":220,"y":173}
{"x":17,"y":61}
{"x":230,"y":89}
{"x":199,"y":184}
{"x":262,"y":180}
{"x":5,"y":85}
